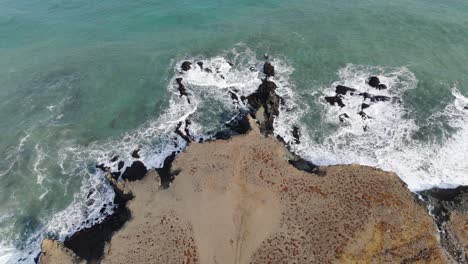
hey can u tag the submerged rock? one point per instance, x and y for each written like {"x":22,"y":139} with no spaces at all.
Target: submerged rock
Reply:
{"x":200,"y":64}
{"x":374,"y":81}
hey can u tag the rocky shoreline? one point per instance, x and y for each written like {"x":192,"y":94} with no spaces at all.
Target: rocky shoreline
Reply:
{"x":290,"y":210}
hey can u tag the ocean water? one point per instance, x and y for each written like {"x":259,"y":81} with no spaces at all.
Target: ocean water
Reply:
{"x":81,"y":82}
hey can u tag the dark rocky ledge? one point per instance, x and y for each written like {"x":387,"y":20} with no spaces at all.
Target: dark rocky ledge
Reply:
{"x":442,"y":204}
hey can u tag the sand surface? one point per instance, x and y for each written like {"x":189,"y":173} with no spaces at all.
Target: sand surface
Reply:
{"x":239,"y":201}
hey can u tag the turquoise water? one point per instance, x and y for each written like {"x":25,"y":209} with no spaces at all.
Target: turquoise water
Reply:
{"x":76,"y":77}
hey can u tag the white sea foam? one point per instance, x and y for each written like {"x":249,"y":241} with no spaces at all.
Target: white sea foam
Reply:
{"x":386,"y":139}
{"x":386,"y":142}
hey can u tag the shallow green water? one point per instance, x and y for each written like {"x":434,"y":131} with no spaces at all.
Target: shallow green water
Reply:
{"x":76,"y":73}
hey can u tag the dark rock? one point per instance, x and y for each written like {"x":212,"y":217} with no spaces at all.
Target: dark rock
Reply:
{"x":466,"y":107}
{"x":181,"y":134}
{"x":380,"y":98}
{"x":114,"y":159}
{"x":135,"y":154}
{"x":89,"y":243}
{"x":296,"y":134}
{"x":445,"y":201}
{"x":102,"y":167}
{"x":364,"y":106}
{"x":442,"y":203}
{"x":234,"y":96}
{"x":374,"y":81}
{"x":200,"y":64}
{"x":375,"y":98}
{"x":343,"y":117}
{"x":135,"y":172}
{"x":115,"y":175}
{"x":181,"y":87}
{"x":366,"y":95}
{"x":239,"y":125}
{"x":165,"y":173}
{"x":120,"y":165}
{"x":381,"y":86}
{"x":223,"y":135}
{"x":266,"y":97}
{"x":208,"y":70}
{"x":335,"y":100}
{"x":230,"y":63}
{"x":363,"y":115}
{"x":304,"y":165}
{"x":340,"y":89}
{"x":186,"y":65}
{"x":268,"y":69}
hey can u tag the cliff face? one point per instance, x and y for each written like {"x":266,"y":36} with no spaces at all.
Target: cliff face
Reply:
{"x":240,"y":201}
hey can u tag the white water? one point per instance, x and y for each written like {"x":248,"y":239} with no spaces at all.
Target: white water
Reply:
{"x":386,"y":143}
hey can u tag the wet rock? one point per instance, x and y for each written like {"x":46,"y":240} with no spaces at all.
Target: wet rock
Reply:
{"x":380,"y":98}
{"x":234,"y":96}
{"x":363,"y":115}
{"x":114,"y":159}
{"x":265,"y":98}
{"x":335,"y":100}
{"x":135,"y":172}
{"x":466,"y":107}
{"x":374,"y":81}
{"x":179,"y":132}
{"x":102,"y":167}
{"x":115,"y":175}
{"x":120,"y":165}
{"x":200,"y":64}
{"x":135,"y":154}
{"x":208,"y":70}
{"x":340,"y":89}
{"x":239,"y":125}
{"x":381,"y":86}
{"x":375,"y":98}
{"x":448,"y":206}
{"x":364,"y":106}
{"x":181,"y":87}
{"x":230,"y":63}
{"x":186,"y":65}
{"x":296,"y":134}
{"x":88,"y":244}
{"x":268,"y":69}
{"x":343,"y":117}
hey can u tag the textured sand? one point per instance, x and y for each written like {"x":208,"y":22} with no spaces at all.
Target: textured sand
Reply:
{"x":239,"y":201}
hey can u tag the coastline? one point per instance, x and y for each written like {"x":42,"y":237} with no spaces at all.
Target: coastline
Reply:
{"x":380,"y":197}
